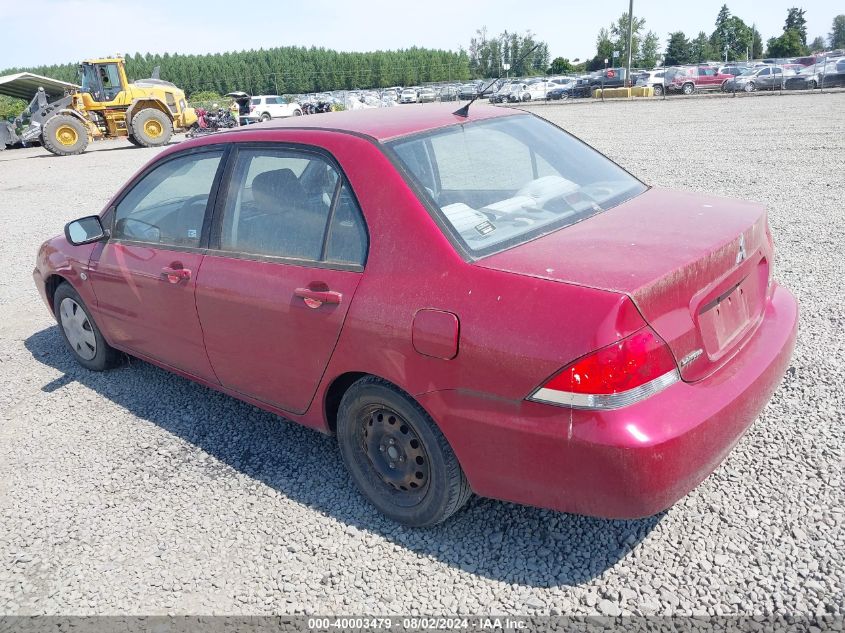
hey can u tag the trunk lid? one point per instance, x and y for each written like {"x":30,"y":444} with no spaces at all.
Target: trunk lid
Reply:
{"x":697,"y":267}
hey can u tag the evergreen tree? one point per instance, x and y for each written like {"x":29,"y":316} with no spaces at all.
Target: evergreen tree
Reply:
{"x":837,"y":32}
{"x":677,"y":49}
{"x":795,"y":21}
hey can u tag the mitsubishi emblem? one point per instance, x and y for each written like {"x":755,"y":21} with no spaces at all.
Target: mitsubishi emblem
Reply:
{"x":741,"y":254}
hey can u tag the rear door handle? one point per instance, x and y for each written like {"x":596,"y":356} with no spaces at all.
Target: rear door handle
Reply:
{"x":316,"y":298}
{"x":175,"y":275}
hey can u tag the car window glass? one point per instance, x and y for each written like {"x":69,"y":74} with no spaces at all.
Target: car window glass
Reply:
{"x":347,"y":234}
{"x":765,"y":71}
{"x":509,"y":167}
{"x":278,"y":204}
{"x":496,"y":183}
{"x":167,"y":206}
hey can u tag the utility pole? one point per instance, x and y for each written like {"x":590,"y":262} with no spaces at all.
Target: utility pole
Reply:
{"x":630,"y":42}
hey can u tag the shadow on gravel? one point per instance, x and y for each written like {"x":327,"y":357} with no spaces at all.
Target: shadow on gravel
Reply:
{"x":501,"y":541}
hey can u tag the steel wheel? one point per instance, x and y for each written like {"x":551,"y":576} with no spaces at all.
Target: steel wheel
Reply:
{"x":153,"y":128}
{"x":66,"y":135}
{"x":78,"y":329}
{"x":396,"y":454}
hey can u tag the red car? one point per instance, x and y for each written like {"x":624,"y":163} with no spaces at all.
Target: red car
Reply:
{"x":476,"y":303}
{"x":689,"y":80}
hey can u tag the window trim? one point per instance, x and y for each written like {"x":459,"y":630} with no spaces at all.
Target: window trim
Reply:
{"x":216,"y":222}
{"x":210,"y":204}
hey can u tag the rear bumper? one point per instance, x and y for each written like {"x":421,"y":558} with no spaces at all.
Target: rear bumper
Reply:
{"x":628,"y":463}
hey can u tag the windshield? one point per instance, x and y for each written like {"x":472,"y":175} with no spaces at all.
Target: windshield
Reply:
{"x":501,"y":182}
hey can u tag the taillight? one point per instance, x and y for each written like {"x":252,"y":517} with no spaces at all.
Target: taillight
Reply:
{"x":614,"y":376}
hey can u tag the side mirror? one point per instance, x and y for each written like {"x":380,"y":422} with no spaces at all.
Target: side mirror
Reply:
{"x":85,"y":230}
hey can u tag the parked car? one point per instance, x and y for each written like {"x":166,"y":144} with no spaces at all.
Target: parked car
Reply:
{"x":502,"y":93}
{"x":408,"y":95}
{"x":562,"y":90}
{"x":266,"y":107}
{"x":696,"y":78}
{"x":829,"y":75}
{"x":535,"y":325}
{"x":519,"y":93}
{"x":766,"y":78}
{"x":652,"y":79}
{"x":468,"y":91}
{"x":426,"y":95}
{"x":448,"y":93}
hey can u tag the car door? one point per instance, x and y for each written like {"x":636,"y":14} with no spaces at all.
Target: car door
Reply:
{"x":144,"y":275}
{"x":763,"y":78}
{"x":287,"y":252}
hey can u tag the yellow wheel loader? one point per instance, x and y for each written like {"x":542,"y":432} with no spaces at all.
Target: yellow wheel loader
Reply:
{"x":146,"y":112}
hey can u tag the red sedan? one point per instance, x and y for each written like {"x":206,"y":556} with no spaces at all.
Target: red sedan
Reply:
{"x":476,"y":303}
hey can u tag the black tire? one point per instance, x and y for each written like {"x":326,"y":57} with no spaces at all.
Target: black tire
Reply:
{"x":378,"y":423}
{"x":151,"y":127}
{"x":297,"y":113}
{"x":688,"y":88}
{"x":750,"y":87}
{"x":658,"y":91}
{"x":265,"y":117}
{"x":811,"y":85}
{"x":103,"y":356}
{"x":134,"y":141}
{"x":64,"y":135}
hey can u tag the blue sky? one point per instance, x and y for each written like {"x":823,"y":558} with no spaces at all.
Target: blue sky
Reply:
{"x":55,"y":31}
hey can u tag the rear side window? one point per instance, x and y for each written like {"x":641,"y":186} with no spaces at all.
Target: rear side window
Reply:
{"x":167,"y":206}
{"x":291,"y":204}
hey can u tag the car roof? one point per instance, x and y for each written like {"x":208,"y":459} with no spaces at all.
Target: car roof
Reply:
{"x":382,"y":123}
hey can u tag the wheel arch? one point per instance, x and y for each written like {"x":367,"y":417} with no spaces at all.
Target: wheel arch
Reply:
{"x":334,"y":394}
{"x":51,"y":284}
{"x":147,"y":102}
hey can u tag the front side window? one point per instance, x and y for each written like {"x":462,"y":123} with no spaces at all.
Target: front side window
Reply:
{"x":281,"y":202}
{"x":501,"y":182}
{"x":167,"y":206}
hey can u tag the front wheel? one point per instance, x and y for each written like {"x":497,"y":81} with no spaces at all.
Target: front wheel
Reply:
{"x":750,"y":87}
{"x":397,"y":457}
{"x":80,"y":333}
{"x":265,"y":117}
{"x":689,"y":88}
{"x":811,"y":85}
{"x":658,"y":91}
{"x":64,"y":135}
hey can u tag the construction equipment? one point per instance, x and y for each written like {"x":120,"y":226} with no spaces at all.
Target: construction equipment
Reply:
{"x":106,"y":105}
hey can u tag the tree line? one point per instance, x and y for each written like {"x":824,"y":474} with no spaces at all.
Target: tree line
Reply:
{"x":287,"y":70}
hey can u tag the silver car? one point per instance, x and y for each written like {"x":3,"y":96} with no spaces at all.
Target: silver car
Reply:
{"x":766,"y":78}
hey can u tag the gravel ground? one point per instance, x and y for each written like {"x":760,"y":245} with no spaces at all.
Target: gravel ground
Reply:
{"x":136,"y":491}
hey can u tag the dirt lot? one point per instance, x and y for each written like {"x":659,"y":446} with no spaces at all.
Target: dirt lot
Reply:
{"x":137,"y":491}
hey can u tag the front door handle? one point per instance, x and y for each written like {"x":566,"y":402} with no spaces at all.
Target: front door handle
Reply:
{"x":175,"y":275}
{"x":316,"y":298}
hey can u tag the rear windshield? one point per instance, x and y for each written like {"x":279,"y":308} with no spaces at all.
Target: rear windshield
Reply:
{"x":502,"y":182}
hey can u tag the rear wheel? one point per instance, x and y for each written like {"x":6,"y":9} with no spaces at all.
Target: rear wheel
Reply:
{"x":151,"y":128}
{"x":397,"y":456}
{"x":689,"y":88}
{"x":811,"y":85}
{"x":265,"y":117}
{"x":64,"y":135}
{"x":134,"y":141}
{"x":658,"y":91}
{"x":80,"y":333}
